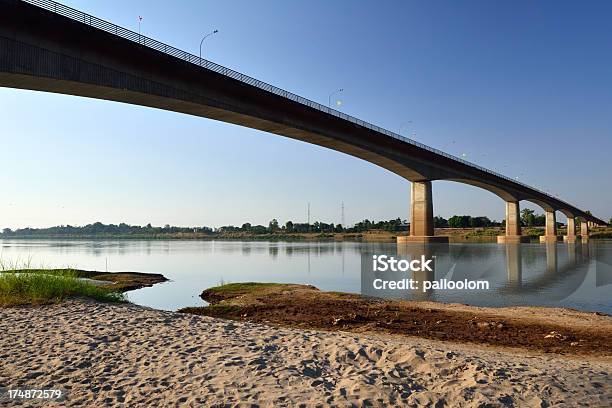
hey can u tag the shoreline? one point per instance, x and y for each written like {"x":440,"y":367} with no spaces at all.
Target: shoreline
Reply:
{"x":561,"y":331}
{"x":127,"y":354}
{"x":456,"y":235}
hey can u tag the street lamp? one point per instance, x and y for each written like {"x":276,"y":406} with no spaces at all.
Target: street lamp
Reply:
{"x":139,"y":22}
{"x":201,"y":42}
{"x":332,"y":94}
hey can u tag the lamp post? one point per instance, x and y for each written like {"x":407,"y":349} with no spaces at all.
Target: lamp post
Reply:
{"x":139,"y":22}
{"x":332,"y":94}
{"x":201,"y":42}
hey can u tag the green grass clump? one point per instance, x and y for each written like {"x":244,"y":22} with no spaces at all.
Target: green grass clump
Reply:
{"x":34,"y":287}
{"x":244,"y":287}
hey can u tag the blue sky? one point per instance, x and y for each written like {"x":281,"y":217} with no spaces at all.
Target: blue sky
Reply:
{"x":522,"y":87}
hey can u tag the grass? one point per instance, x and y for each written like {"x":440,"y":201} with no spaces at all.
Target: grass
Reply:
{"x":244,"y":287}
{"x":38,"y":286}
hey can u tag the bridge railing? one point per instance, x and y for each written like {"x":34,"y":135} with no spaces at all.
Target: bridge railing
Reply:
{"x":96,"y":22}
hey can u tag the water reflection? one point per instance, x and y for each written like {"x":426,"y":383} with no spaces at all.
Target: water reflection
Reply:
{"x":573,"y":275}
{"x":514,"y":264}
{"x":533,"y":274}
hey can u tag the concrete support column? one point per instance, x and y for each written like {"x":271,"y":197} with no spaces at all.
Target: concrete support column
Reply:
{"x":551,"y":224}
{"x":513,"y":220}
{"x":513,"y":224}
{"x":570,"y":236}
{"x":421,"y":209}
{"x":550,"y":234}
{"x":421,"y":215}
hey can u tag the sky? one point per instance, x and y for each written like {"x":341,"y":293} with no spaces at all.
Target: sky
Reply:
{"x":521,"y":87}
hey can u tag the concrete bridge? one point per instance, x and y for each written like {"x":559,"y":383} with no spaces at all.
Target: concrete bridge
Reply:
{"x":46,"y":46}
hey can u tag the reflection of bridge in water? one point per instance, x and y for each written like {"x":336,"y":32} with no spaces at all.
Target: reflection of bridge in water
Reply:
{"x":554,"y":278}
{"x":565,"y":278}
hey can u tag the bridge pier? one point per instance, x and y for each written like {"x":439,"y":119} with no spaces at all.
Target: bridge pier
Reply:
{"x":513,"y":225}
{"x":570,"y":236}
{"x":550,"y":234}
{"x":421,"y":215}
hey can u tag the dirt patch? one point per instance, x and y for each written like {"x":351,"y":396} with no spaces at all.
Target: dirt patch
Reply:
{"x":307,"y":307}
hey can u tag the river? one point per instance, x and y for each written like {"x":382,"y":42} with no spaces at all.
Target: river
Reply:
{"x":577,"y":276}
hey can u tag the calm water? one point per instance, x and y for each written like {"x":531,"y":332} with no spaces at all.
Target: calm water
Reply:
{"x":577,"y":276}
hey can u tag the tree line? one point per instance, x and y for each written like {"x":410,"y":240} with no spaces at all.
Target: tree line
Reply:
{"x":98,"y":228}
{"x":321,"y":227}
{"x":465,"y":221}
{"x":101,"y":230}
{"x":528,"y":219}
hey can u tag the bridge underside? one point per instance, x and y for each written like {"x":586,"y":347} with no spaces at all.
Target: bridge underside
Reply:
{"x":43,"y":51}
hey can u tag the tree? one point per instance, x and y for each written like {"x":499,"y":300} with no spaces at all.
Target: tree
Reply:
{"x":7,"y":231}
{"x":273,"y":225}
{"x":289,"y":226}
{"x":246,"y":226}
{"x":527,"y":217}
{"x":479,"y":222}
{"x":459,"y":221}
{"x":440,"y":222}
{"x":539,"y":220}
{"x":259,"y":229}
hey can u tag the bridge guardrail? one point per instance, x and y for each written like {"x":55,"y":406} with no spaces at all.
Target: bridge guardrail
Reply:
{"x":111,"y":28}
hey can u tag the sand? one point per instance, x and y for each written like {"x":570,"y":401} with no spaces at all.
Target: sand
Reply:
{"x":127,"y":355}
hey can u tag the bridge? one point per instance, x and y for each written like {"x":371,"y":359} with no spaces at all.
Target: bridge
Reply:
{"x":47,"y":46}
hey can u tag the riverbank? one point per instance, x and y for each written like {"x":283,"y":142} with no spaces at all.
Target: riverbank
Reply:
{"x":483,"y":234}
{"x":535,"y":329}
{"x":126,"y":355}
{"x":42,"y":286}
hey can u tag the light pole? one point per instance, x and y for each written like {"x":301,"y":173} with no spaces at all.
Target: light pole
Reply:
{"x":201,"y":42}
{"x":332,"y":94}
{"x":139,"y":21}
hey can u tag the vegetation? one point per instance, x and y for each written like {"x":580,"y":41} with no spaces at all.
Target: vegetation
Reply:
{"x":99,"y":230}
{"x":39,"y":286}
{"x":274,"y":229}
{"x":242,"y":287}
{"x":530,"y":219}
{"x":466,"y":221}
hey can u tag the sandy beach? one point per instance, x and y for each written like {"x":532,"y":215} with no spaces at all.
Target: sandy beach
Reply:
{"x":127,"y":355}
